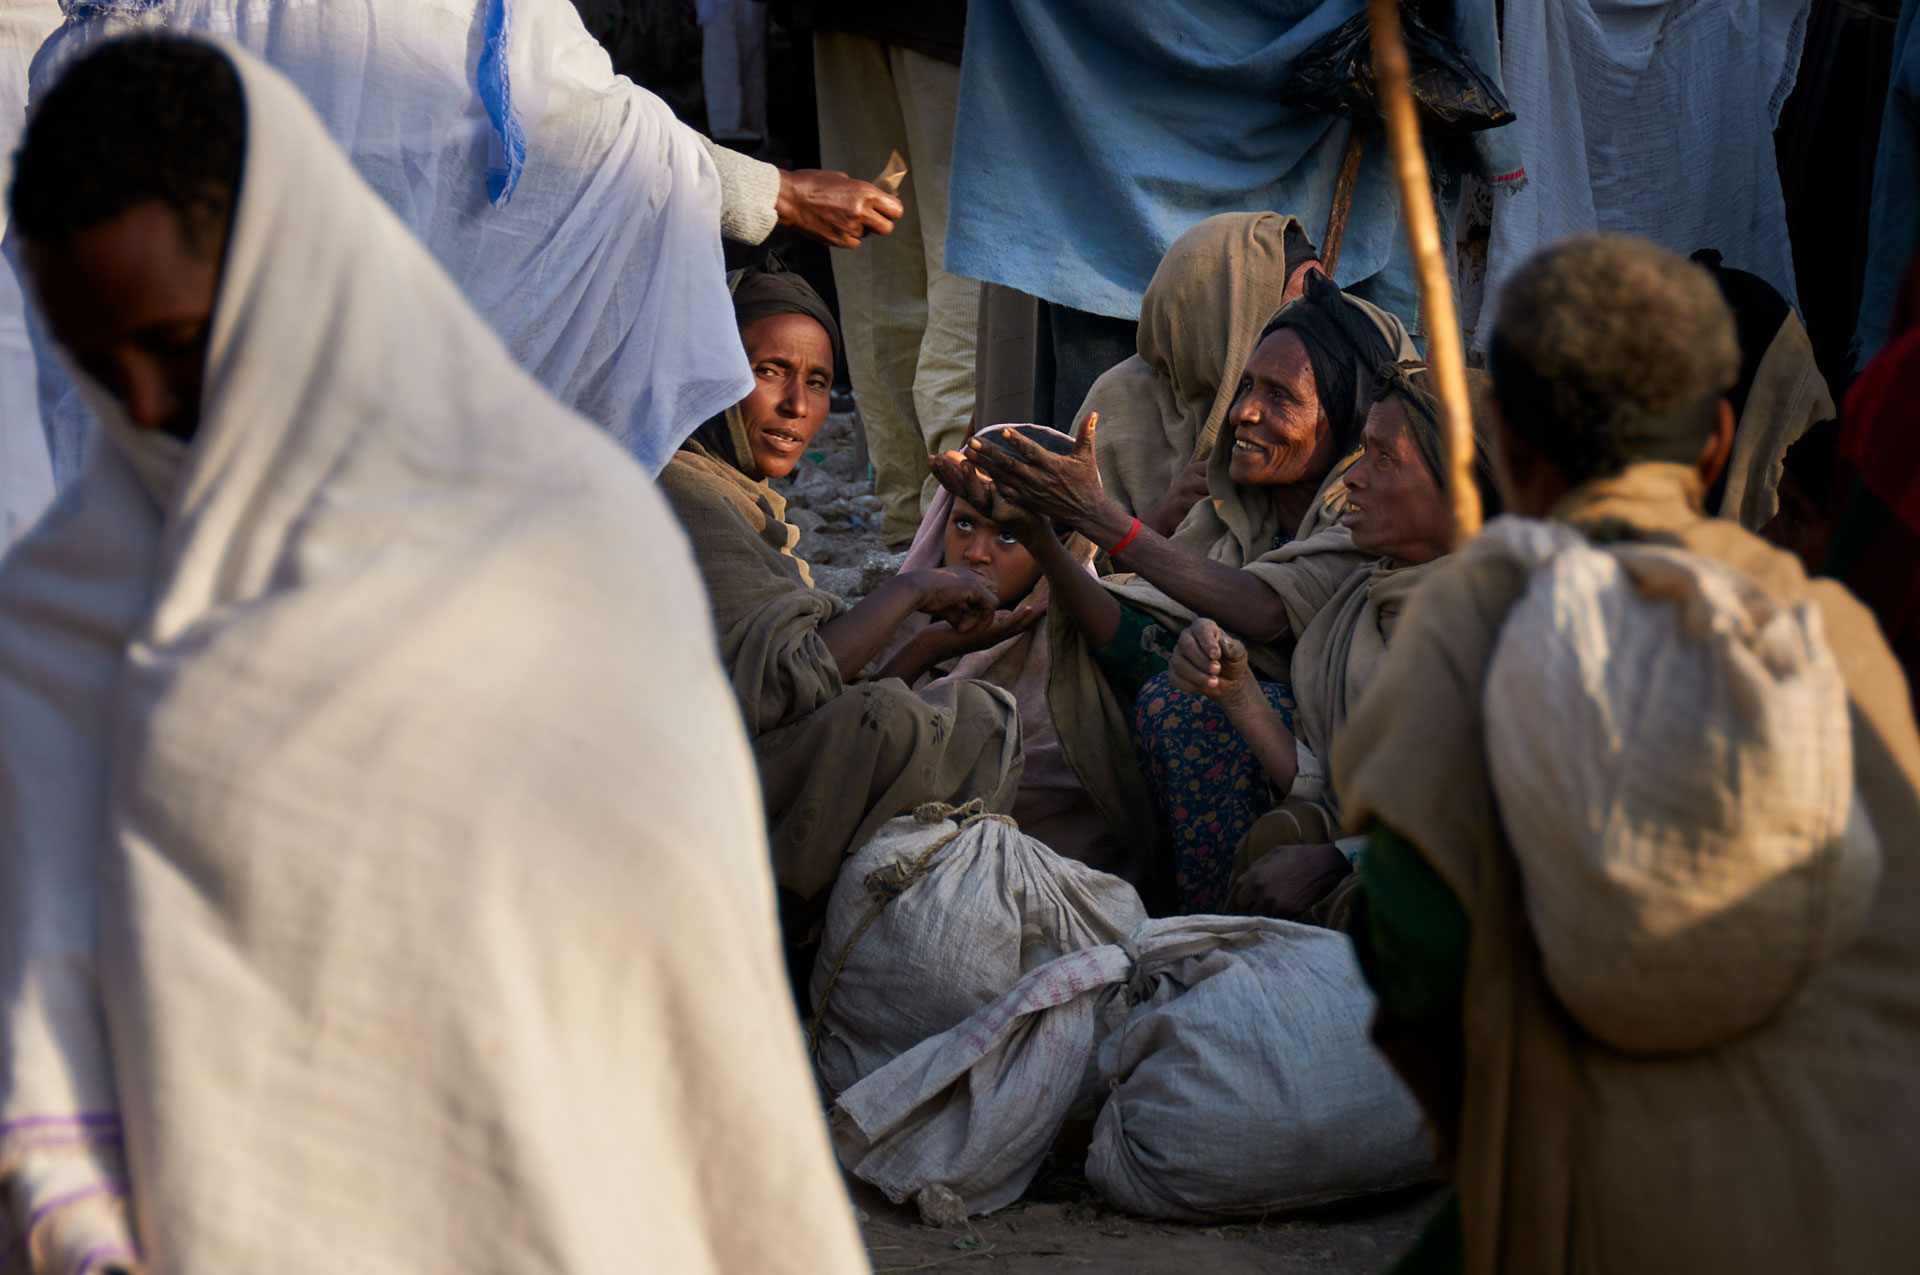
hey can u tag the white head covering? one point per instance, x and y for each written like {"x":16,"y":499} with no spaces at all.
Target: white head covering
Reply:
{"x":580,"y":218}
{"x":380,"y":850}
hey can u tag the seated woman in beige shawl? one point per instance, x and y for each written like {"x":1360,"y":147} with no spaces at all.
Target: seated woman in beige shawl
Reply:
{"x":1261,"y":556}
{"x":1160,"y":411}
{"x":838,"y":756}
{"x":1786,"y":1141}
{"x":1291,"y":864}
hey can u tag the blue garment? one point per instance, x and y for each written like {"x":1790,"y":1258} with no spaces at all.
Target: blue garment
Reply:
{"x":1894,"y":225}
{"x":1092,"y":133}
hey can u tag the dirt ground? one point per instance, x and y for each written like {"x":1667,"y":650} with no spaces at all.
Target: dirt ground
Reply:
{"x":1062,"y":1224}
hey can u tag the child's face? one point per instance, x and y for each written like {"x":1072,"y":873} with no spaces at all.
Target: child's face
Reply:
{"x":974,"y":541}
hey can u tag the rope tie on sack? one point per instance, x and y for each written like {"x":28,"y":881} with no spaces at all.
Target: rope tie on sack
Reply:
{"x":888,"y":883}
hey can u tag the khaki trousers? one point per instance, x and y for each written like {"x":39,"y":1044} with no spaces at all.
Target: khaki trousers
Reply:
{"x":909,"y":325}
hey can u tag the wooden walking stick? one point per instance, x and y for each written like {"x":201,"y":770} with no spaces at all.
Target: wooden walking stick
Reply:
{"x":1444,"y":353}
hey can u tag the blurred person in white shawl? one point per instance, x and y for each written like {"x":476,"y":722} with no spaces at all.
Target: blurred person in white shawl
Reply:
{"x":382,"y":879}
{"x":581,"y":219}
{"x":26,"y":473}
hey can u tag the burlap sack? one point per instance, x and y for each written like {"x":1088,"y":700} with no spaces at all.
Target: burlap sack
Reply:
{"x":1244,"y":1081}
{"x":934,"y":918}
{"x":1261,"y":1093}
{"x":1672,"y":754}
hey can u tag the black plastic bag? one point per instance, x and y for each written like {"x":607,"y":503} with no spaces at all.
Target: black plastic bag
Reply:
{"x":1335,"y":77}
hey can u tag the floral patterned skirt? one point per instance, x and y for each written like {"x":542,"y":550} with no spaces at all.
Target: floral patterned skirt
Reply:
{"x":1207,"y":785}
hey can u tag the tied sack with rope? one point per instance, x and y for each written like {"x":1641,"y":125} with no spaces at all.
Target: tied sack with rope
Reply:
{"x":1236,"y":1074}
{"x":1672,"y":754}
{"x":935,"y":917}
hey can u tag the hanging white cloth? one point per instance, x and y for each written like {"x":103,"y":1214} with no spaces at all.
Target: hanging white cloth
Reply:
{"x":381,"y":856}
{"x":580,"y":218}
{"x":1652,"y":118}
{"x":26,"y":470}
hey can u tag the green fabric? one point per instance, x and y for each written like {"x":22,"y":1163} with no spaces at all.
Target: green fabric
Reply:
{"x":1141,"y":649}
{"x":1441,"y":1247}
{"x":1414,"y":945}
{"x":1411,"y":937}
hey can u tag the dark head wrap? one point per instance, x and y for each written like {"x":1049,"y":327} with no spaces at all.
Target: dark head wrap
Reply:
{"x":1412,"y":384}
{"x":1349,"y":342}
{"x":760,"y":291}
{"x":771,"y":289}
{"x":1758,"y":312}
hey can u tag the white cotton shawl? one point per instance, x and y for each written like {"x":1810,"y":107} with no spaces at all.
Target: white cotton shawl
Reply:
{"x":379,"y":845}
{"x":1654,"y":119}
{"x":593,"y":249}
{"x":26,"y":471}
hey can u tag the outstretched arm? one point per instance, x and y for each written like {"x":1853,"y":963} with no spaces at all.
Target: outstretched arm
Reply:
{"x":939,"y":642}
{"x":857,"y":635}
{"x":1068,"y":488}
{"x":1210,"y":662}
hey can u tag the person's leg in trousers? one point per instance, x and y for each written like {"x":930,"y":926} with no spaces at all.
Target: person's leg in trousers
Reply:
{"x":943,"y":390}
{"x":1084,"y":346}
{"x":883,"y":282}
{"x":733,"y":69}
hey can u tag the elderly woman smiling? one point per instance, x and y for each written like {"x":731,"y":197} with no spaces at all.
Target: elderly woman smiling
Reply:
{"x":1397,"y":508}
{"x":1260,"y":556}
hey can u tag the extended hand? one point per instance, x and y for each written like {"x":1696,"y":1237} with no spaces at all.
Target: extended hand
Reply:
{"x":989,"y":633}
{"x":1211,"y":662}
{"x":834,"y":208}
{"x":956,"y":595}
{"x":1287,"y":882}
{"x":1189,"y":489}
{"x":1063,"y":487}
{"x":960,"y":476}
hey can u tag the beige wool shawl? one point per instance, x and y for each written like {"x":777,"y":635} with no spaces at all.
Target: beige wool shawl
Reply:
{"x":1161,"y":409}
{"x":1788,"y":397}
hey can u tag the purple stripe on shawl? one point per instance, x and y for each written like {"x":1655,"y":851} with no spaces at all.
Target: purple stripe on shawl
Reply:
{"x":101,"y":1254}
{"x":54,"y":1206}
{"x":88,"y":1118}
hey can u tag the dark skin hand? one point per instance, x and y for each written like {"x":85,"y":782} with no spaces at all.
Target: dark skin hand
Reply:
{"x":834,"y":208}
{"x":1067,"y":488}
{"x":938,"y":643}
{"x":1288,"y":881}
{"x":955,"y":595}
{"x":1167,"y":513}
{"x":1211,"y":662}
{"x":1090,"y":608}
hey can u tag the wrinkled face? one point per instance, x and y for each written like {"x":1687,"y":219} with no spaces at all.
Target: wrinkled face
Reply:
{"x":1280,"y":435}
{"x":1395,"y":506}
{"x":132,"y":300}
{"x":976,"y":542}
{"x":792,"y":360}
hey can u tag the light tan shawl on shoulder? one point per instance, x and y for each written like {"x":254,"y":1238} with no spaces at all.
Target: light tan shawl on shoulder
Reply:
{"x":1788,"y":397}
{"x":1161,"y":409}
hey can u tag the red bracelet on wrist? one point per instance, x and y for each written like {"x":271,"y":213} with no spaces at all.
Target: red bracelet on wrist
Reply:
{"x":1125,"y":540}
